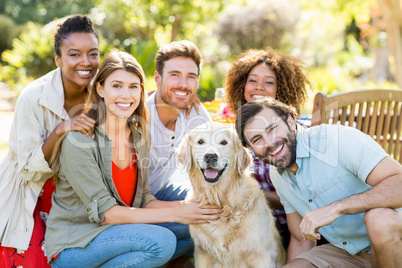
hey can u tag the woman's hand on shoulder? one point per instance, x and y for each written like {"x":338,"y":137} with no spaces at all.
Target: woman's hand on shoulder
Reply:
{"x":81,"y":123}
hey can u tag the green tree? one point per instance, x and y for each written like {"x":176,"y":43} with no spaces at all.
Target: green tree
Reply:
{"x":271,"y":24}
{"x":161,"y":20}
{"x":30,"y":58}
{"x":141,"y":27}
{"x":328,"y":38}
{"x":9,"y":30}
{"x":322,"y":27}
{"x":42,"y":11}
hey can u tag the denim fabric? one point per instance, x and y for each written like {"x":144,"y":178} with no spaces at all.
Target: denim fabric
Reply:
{"x":174,"y":192}
{"x":127,"y":245}
{"x":85,"y":189}
{"x":178,"y":192}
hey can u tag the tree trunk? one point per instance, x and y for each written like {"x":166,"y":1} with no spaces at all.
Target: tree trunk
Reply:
{"x":176,"y":27}
{"x":392,"y":12}
{"x":381,"y":71}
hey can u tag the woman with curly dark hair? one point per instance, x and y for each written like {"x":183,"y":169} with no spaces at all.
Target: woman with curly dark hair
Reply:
{"x":46,"y":109}
{"x":260,"y":73}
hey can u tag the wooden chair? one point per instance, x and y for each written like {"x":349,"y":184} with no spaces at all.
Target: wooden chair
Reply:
{"x":376,"y":112}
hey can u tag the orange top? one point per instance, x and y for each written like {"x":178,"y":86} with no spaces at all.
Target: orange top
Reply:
{"x":125,"y":181}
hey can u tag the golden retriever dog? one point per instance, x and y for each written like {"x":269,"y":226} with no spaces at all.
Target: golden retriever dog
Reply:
{"x":218,"y":167}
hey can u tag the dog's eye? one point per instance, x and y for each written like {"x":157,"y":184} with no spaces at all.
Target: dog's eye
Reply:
{"x":201,"y":142}
{"x":224,"y":142}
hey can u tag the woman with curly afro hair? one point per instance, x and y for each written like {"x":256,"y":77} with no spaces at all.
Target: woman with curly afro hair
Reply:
{"x":258,"y":73}
{"x":261,"y":73}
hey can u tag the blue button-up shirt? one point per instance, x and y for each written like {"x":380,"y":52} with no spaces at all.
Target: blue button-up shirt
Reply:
{"x":334,"y":162}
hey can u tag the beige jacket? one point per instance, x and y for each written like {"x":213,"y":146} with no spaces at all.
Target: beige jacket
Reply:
{"x":38,"y":111}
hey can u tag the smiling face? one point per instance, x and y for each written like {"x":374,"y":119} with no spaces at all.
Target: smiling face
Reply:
{"x":261,"y":82}
{"x":214,"y":158}
{"x":79,"y":60}
{"x":121,"y":92}
{"x":212,"y":152}
{"x":177,"y":86}
{"x":272,"y":139}
{"x":215,"y":151}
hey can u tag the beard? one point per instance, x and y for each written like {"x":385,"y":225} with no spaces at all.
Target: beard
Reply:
{"x":169,"y":98}
{"x":287,"y":159}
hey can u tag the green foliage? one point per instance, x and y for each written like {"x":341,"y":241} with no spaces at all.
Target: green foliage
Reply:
{"x":322,"y":33}
{"x":344,"y":71}
{"x":150,"y":83}
{"x":161,"y":20}
{"x":344,"y":10}
{"x":142,"y":26}
{"x":336,"y":79}
{"x":30,"y":58}
{"x":207,"y":85}
{"x":270,"y":24}
{"x":326,"y":81}
{"x":8,"y":32}
{"x":326,"y":28}
{"x":145,"y":52}
{"x":104,"y":46}
{"x":43,"y":11}
{"x":212,"y":77}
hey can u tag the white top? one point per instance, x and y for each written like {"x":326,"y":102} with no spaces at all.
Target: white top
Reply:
{"x":164,"y":168}
{"x":24,"y":171}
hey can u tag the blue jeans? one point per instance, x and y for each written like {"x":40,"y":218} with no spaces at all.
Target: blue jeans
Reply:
{"x":126,"y":245}
{"x":173,"y":192}
{"x":178,"y":192}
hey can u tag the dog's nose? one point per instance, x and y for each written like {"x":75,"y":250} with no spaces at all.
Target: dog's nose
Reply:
{"x":210,"y":159}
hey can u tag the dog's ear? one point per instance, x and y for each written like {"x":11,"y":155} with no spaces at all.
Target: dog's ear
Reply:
{"x":184,"y":152}
{"x":242,"y":156}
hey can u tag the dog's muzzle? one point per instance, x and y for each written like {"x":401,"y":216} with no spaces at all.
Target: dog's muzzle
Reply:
{"x":211,"y":160}
{"x":211,"y":173}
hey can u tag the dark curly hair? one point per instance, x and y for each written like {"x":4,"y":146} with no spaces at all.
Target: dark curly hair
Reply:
{"x":74,"y":24}
{"x":291,"y":81}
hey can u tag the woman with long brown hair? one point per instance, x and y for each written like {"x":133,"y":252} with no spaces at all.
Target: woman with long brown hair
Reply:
{"x":104,"y":213}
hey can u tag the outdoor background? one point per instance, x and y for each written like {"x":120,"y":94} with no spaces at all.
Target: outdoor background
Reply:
{"x":346,"y":45}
